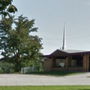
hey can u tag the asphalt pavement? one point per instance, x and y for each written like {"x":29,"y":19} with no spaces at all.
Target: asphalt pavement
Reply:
{"x":38,"y":80}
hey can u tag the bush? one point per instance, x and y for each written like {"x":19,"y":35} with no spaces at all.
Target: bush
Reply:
{"x":6,"y":67}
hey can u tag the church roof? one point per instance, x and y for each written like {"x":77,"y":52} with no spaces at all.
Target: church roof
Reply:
{"x":59,"y":52}
{"x":74,"y":51}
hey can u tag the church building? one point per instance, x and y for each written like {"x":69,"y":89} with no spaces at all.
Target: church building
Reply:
{"x":67,"y":60}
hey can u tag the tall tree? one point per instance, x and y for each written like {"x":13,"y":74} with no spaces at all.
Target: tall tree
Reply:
{"x":20,"y":46}
{"x":7,"y":10}
{"x":17,"y":44}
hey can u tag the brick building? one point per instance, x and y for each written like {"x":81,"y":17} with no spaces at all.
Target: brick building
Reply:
{"x":67,"y":60}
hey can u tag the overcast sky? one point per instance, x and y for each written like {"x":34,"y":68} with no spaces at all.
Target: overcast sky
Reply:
{"x":50,"y":16}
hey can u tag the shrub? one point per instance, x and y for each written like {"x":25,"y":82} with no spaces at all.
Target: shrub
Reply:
{"x":6,"y":67}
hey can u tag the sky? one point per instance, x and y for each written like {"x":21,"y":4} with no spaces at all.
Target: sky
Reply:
{"x":51,"y":16}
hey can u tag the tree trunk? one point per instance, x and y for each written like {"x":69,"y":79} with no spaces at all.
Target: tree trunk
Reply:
{"x":17,"y":63}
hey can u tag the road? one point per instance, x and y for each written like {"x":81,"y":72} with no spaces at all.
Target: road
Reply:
{"x":22,"y":79}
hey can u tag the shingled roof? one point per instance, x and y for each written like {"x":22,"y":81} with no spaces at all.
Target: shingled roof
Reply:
{"x":59,"y":52}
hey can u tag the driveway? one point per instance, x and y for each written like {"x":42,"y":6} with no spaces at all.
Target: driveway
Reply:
{"x":22,"y":79}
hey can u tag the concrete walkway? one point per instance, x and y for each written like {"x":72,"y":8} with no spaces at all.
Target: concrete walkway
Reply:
{"x":20,"y":79}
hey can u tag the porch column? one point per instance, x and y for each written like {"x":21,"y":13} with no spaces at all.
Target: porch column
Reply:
{"x":86,"y":62}
{"x":68,"y":62}
{"x":48,"y":64}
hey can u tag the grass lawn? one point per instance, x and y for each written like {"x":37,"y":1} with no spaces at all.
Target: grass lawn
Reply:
{"x":45,"y":88}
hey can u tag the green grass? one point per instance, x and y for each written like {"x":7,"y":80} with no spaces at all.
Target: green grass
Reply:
{"x":57,"y":73}
{"x":45,"y":88}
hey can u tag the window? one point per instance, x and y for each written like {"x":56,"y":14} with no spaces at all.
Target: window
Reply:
{"x":60,"y":62}
{"x":74,"y":63}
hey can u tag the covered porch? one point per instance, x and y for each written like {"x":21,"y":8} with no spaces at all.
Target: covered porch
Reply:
{"x":68,"y":63}
{"x":77,"y":62}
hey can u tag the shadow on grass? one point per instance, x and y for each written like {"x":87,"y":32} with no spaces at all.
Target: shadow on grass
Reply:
{"x":57,"y":73}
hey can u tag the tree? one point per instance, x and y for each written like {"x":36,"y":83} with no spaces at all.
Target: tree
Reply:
{"x":17,"y":44}
{"x":20,"y":46}
{"x":6,"y":11}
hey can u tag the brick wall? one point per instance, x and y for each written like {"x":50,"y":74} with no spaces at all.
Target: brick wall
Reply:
{"x":48,"y":64}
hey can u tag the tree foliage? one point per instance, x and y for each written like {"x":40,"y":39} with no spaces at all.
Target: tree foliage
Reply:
{"x":6,"y":7}
{"x":17,"y":43}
